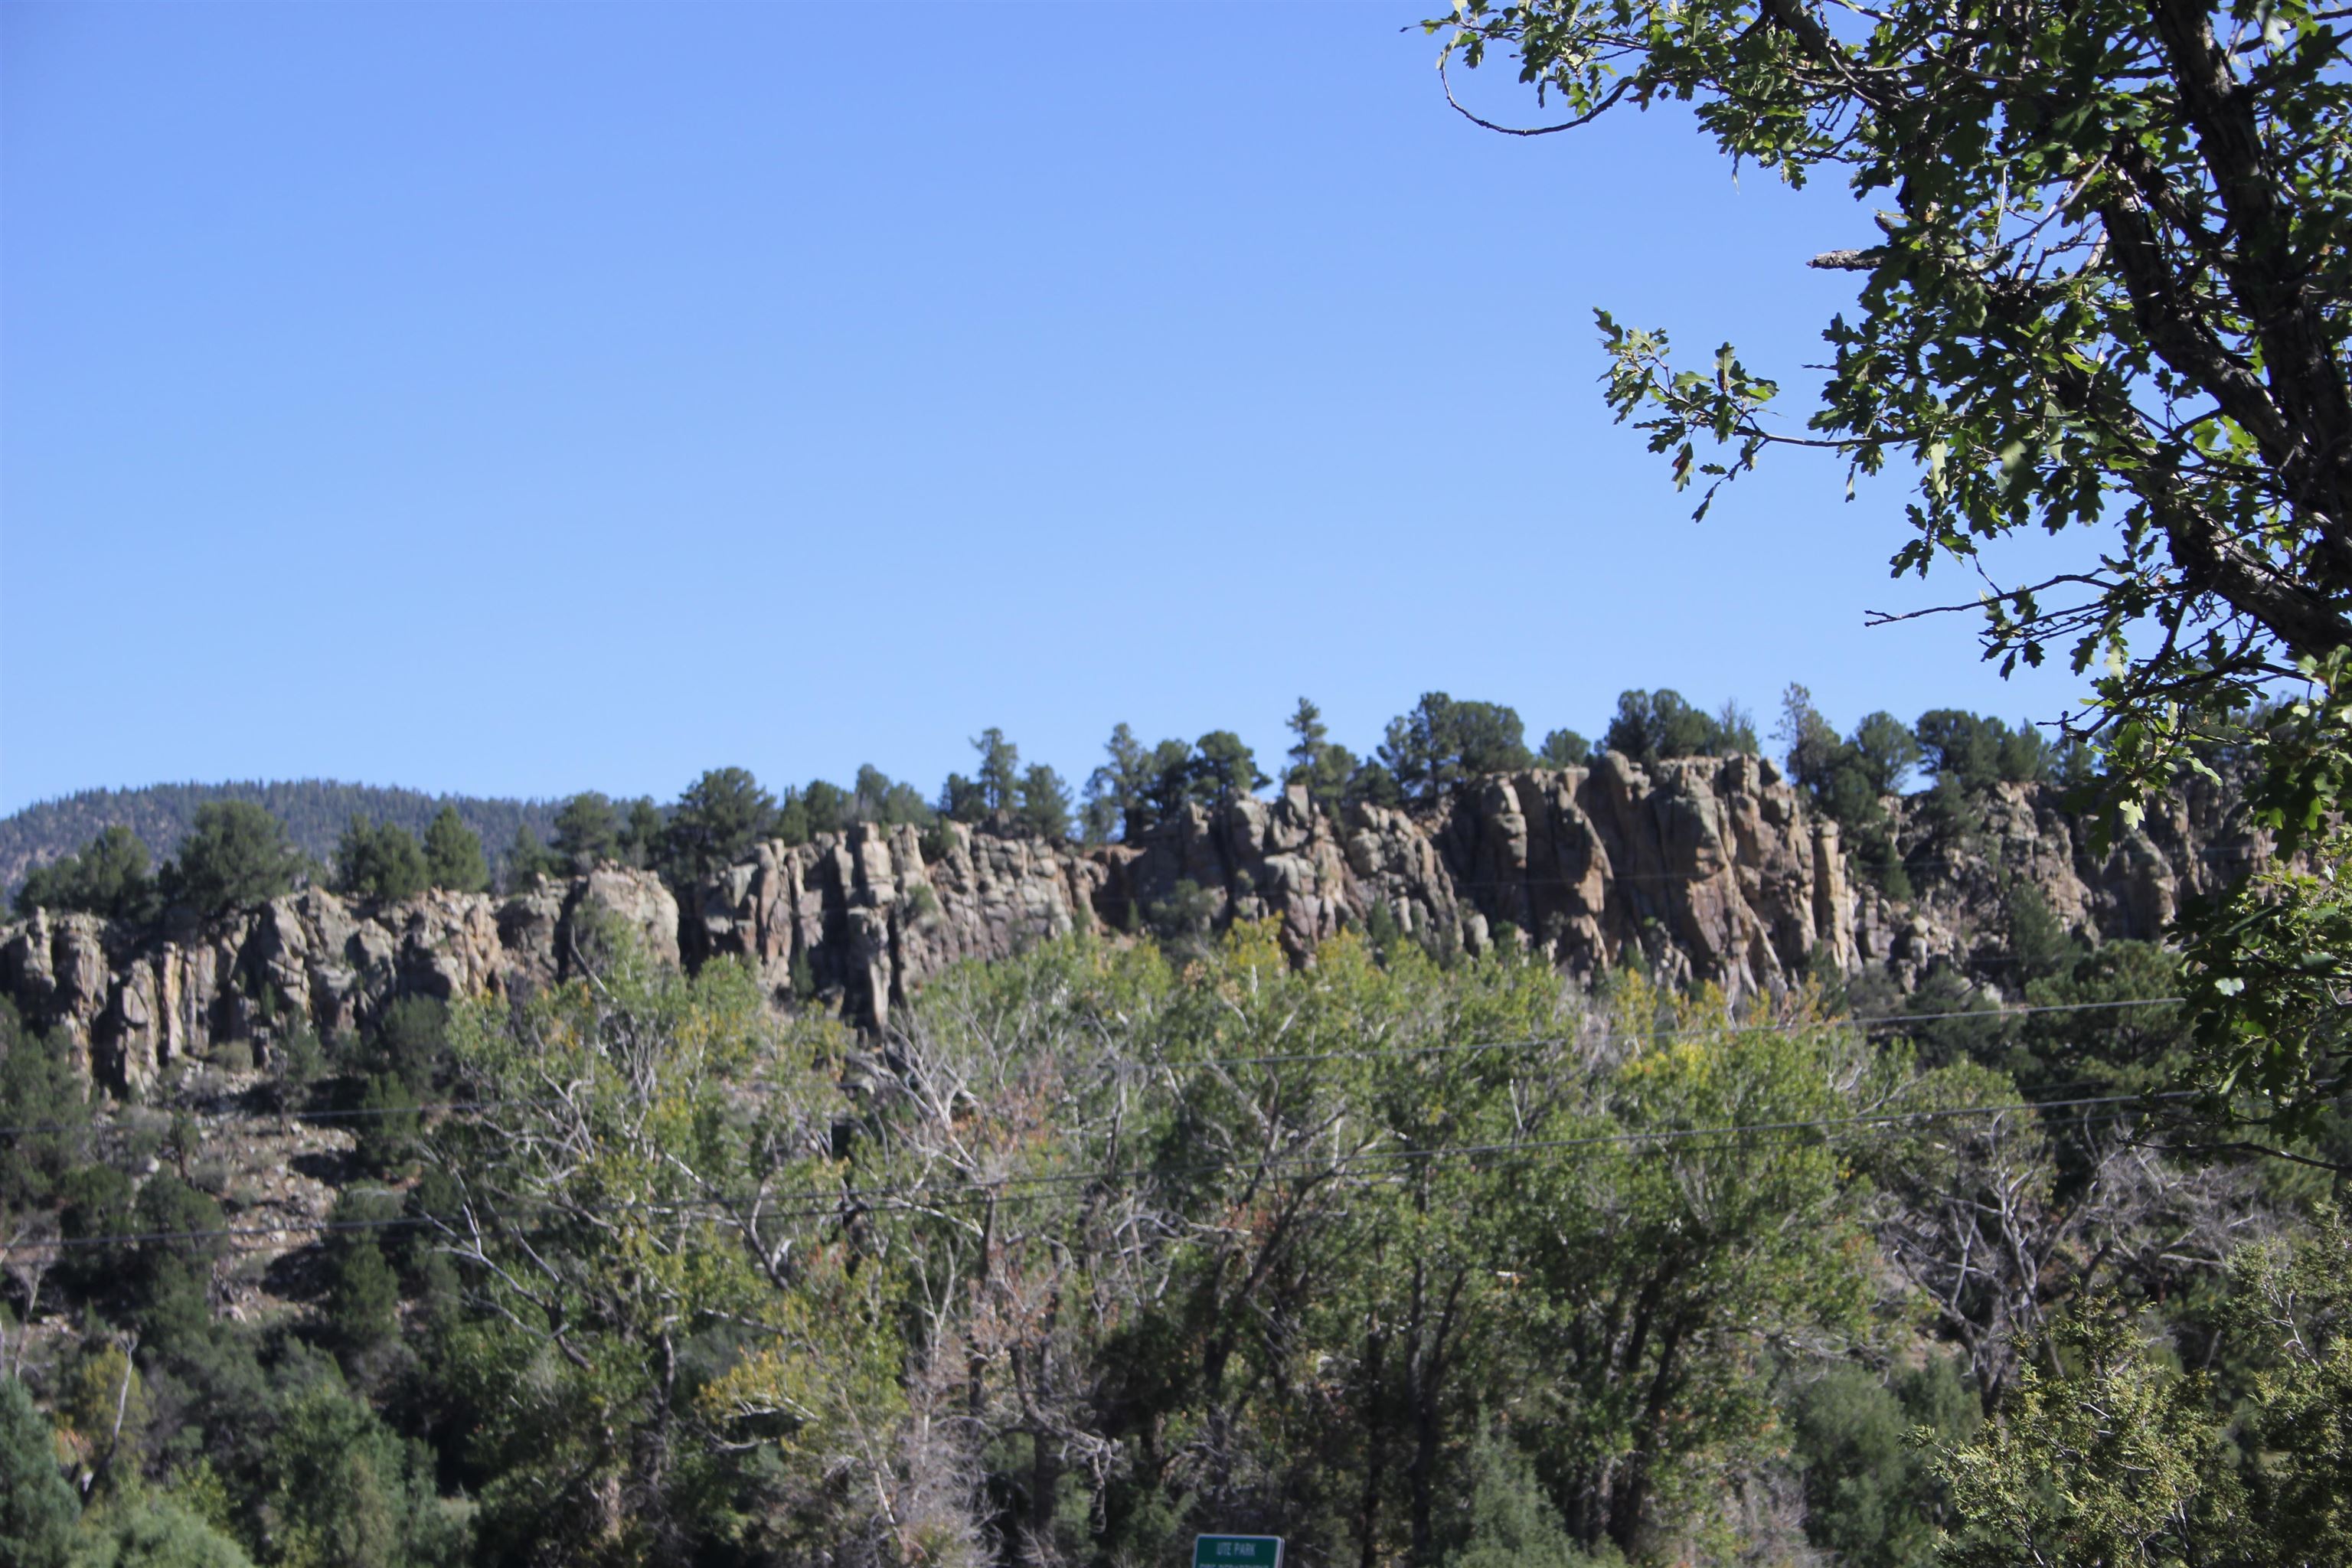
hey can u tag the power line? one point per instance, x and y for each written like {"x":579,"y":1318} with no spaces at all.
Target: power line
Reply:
{"x":1539,"y":1042}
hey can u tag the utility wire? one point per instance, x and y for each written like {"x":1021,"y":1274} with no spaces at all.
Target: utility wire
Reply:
{"x":1539,"y":1042}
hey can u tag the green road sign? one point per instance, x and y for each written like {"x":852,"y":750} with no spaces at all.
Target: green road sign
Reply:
{"x":1237,"y":1552}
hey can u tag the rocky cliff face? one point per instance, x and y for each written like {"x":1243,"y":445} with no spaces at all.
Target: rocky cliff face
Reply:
{"x":137,"y":1000}
{"x":2021,"y":835}
{"x":1710,"y":869}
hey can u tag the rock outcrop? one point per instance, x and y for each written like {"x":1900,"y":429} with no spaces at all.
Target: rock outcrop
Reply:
{"x":860,"y":916}
{"x":136,"y":1000}
{"x":1711,"y":869}
{"x":1968,"y":858}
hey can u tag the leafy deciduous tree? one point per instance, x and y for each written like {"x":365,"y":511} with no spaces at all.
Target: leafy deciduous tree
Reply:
{"x":683,"y":1364}
{"x":2107,"y":295}
{"x":151,"y":1531}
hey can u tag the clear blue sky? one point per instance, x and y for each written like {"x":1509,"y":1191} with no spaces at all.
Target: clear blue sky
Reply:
{"x":523,"y":399}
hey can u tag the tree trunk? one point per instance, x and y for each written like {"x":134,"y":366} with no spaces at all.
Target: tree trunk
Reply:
{"x":1373,"y":1412}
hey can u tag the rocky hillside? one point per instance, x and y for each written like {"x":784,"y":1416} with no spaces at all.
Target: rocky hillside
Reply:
{"x":1709,"y":870}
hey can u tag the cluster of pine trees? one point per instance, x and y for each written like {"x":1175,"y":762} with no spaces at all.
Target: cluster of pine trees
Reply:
{"x":238,"y":852}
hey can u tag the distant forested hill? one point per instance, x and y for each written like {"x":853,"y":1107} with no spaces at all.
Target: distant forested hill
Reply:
{"x":315,"y":812}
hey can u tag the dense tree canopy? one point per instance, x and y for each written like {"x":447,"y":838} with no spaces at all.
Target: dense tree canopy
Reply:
{"x":1418,"y":1259}
{"x":37,"y":1510}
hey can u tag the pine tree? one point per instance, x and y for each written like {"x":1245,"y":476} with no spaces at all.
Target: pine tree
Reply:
{"x":236,"y":854}
{"x":379,"y":862}
{"x":587,"y":832}
{"x":1441,"y":742}
{"x":962,"y":800}
{"x":1565,"y":749}
{"x":527,"y":859}
{"x":827,"y":807}
{"x":1307,"y":751}
{"x":640,"y":839}
{"x":1044,"y":805}
{"x":453,"y":854}
{"x":1315,"y":761}
{"x":1115,"y":791}
{"x":720,"y":820}
{"x":999,"y":770}
{"x":1223,"y":769}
